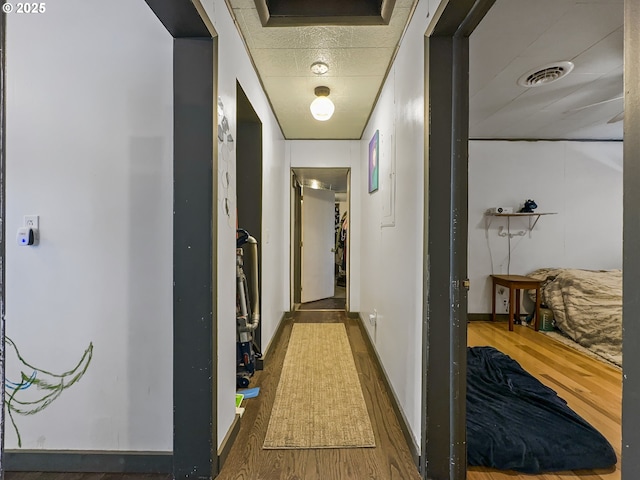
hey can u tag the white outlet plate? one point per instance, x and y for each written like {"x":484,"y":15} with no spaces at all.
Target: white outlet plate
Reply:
{"x":373,"y":317}
{"x":32,"y":221}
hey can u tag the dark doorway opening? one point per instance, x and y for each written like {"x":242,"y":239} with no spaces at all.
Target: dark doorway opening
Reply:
{"x":249,"y":183}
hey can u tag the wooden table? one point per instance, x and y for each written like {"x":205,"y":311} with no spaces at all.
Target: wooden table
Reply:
{"x":515,"y":283}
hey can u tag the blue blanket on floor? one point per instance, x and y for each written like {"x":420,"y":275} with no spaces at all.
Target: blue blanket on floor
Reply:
{"x":514,"y":422}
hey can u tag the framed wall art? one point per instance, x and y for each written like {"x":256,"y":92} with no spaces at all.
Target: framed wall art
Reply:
{"x":374,"y":161}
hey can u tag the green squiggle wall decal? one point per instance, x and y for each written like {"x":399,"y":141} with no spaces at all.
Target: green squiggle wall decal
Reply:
{"x":50,"y":384}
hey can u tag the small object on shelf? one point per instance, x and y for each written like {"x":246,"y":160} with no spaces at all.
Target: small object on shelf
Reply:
{"x":500,"y":210}
{"x":529,"y":206}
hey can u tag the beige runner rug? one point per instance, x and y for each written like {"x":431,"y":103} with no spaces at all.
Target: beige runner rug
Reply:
{"x":319,"y":401}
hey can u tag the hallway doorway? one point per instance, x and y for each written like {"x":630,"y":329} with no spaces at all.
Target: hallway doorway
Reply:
{"x":249,"y":178}
{"x":320,"y":238}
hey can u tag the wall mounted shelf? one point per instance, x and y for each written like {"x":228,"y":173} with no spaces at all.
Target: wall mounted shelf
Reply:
{"x":533,"y":220}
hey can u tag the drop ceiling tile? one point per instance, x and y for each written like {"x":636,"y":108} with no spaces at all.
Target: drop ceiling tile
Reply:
{"x":342,"y":61}
{"x":285,"y":90}
{"x":348,"y":62}
{"x":342,"y":125}
{"x":279,"y":62}
{"x":352,"y":96}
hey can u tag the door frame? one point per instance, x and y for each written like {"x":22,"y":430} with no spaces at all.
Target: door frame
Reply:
{"x":445,"y":239}
{"x":444,"y":327}
{"x":195,"y":220}
{"x":631,"y":236}
{"x":295,"y":256}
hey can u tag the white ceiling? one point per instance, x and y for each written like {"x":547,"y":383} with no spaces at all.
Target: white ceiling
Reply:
{"x":515,"y":36}
{"x":519,"y":35}
{"x":358,"y":58}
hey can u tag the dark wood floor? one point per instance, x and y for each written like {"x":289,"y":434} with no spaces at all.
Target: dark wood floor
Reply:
{"x":332,"y":303}
{"x":390,"y":460}
{"x":82,"y":476}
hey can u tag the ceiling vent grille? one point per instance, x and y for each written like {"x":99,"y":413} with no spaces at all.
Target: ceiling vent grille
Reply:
{"x":545,"y":75}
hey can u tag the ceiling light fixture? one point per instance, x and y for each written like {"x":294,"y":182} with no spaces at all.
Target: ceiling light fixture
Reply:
{"x":322,"y":108}
{"x":319,"y":68}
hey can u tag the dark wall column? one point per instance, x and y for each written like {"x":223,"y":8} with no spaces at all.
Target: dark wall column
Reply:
{"x":194,"y":235}
{"x":444,"y":367}
{"x":631,"y":254}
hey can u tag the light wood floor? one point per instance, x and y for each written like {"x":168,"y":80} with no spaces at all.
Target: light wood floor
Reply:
{"x":389,"y":460}
{"x":592,"y":388}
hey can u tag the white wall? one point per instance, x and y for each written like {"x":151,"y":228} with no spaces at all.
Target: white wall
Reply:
{"x":581,"y":181}
{"x":334,"y":154}
{"x":89,"y":149}
{"x":392,"y":257}
{"x":233,"y":66}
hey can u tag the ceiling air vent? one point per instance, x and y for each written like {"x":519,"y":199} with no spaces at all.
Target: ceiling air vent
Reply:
{"x":545,"y":75}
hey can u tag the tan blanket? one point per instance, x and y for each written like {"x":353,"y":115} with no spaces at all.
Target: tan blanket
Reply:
{"x":587,"y":306}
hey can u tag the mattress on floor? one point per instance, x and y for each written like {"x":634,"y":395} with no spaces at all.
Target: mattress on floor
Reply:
{"x":514,"y":422}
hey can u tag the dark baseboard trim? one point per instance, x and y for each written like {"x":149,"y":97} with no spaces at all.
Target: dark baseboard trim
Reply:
{"x":72,"y":461}
{"x":404,"y":425}
{"x":353,"y":314}
{"x":276,"y":336}
{"x":229,"y":440}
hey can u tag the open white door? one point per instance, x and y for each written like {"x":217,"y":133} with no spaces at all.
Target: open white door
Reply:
{"x":318,"y":243}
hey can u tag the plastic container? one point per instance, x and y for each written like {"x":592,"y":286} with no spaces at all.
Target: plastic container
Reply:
{"x":547,"y":322}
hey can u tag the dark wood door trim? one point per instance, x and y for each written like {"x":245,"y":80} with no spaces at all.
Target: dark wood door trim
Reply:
{"x":443,"y":426}
{"x":631,"y":254}
{"x":195,"y":388}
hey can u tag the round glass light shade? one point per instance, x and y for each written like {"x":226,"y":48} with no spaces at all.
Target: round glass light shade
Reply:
{"x":322,"y":108}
